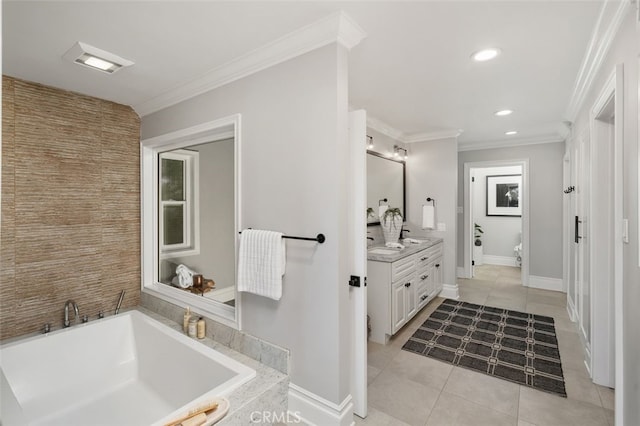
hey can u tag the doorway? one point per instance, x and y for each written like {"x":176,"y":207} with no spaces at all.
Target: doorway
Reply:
{"x":483,"y":183}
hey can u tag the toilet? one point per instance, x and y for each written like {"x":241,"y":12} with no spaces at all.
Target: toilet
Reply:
{"x":518,"y":252}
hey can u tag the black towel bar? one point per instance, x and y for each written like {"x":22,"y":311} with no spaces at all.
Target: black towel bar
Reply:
{"x":320,"y":238}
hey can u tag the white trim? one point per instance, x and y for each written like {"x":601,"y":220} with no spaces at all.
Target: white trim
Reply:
{"x":432,"y":136}
{"x":384,"y":128}
{"x":150,"y":148}
{"x":460,"y":272}
{"x":571,"y":310}
{"x":315,"y":410}
{"x":450,"y":291}
{"x":545,"y":283}
{"x":335,"y":28}
{"x":398,"y":135}
{"x":499,"y":260}
{"x":509,"y":143}
{"x":603,"y":35}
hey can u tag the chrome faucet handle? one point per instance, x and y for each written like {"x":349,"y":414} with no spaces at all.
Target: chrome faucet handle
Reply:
{"x":100,"y":314}
{"x":85,"y":319}
{"x":46,"y":328}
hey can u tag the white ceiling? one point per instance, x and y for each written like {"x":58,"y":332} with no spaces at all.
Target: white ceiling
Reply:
{"x":413,"y":70}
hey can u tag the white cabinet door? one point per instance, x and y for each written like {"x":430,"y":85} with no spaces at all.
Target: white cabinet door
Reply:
{"x":398,"y":306}
{"x":438,"y":274}
{"x":411,"y":293}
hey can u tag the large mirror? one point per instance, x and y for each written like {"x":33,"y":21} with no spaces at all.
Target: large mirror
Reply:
{"x":190,"y":217}
{"x":196,"y":219}
{"x":385,"y":181}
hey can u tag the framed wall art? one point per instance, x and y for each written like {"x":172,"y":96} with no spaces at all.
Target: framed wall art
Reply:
{"x":504,"y":196}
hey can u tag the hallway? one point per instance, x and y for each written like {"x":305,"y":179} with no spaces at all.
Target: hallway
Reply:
{"x":405,"y":388}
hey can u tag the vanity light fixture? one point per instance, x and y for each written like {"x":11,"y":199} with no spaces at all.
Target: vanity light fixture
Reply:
{"x":485,"y":54}
{"x":503,"y":112}
{"x":511,"y":133}
{"x":369,"y":142}
{"x":396,"y":152}
{"x":94,"y":58}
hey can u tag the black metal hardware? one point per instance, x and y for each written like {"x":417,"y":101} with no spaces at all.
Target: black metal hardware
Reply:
{"x":437,"y":265}
{"x":423,"y":298}
{"x":407,"y":285}
{"x":433,"y":200}
{"x":424,"y":258}
{"x":354,"y":281}
{"x":320,"y":238}
{"x":570,"y":189}
{"x":381,"y":201}
{"x":473,"y":263}
{"x":424,"y":277}
{"x":577,"y":230}
{"x":370,"y":238}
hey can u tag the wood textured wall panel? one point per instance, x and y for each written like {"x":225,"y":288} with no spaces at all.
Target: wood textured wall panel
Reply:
{"x":7,"y":221}
{"x":73,"y":219}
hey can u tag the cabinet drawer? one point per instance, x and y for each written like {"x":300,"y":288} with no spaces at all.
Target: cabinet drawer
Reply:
{"x":402,"y":267}
{"x":427,"y":256}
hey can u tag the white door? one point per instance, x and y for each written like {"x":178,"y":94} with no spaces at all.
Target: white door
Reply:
{"x":581,"y":226}
{"x":358,"y":238}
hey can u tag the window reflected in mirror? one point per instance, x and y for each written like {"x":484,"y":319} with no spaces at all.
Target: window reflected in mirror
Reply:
{"x":196,"y":220}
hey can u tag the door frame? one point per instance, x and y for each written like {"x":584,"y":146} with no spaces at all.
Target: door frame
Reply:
{"x":610,"y":101}
{"x":358,"y":261}
{"x":468,"y":217}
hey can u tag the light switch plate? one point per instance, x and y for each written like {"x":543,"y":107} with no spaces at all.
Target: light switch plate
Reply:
{"x":625,"y":231}
{"x":442,"y":226}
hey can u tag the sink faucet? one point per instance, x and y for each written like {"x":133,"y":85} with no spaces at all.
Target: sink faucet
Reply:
{"x":73,"y":304}
{"x":402,"y":231}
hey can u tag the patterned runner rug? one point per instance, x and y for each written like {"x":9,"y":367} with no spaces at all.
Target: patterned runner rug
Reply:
{"x":511,"y":345}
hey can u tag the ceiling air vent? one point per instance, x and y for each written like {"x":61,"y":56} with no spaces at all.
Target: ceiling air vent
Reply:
{"x":94,"y":58}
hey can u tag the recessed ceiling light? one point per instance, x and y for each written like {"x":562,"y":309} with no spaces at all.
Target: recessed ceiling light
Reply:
{"x":485,"y":54}
{"x":98,"y":59}
{"x":511,"y":133}
{"x":503,"y":112}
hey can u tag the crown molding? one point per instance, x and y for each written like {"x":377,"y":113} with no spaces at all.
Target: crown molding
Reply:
{"x":398,"y":135}
{"x":431,"y":136}
{"x":384,"y":128}
{"x":335,"y":28}
{"x":603,"y":35}
{"x":511,"y":143}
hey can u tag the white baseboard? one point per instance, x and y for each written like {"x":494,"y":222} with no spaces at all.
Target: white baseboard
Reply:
{"x":545,"y":283}
{"x":449,"y":291}
{"x":460,"y":272}
{"x":315,"y":410}
{"x":571,"y":310}
{"x":490,"y":259}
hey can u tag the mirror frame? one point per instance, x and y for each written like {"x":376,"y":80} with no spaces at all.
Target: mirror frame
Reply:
{"x":404,"y":185}
{"x":224,"y":128}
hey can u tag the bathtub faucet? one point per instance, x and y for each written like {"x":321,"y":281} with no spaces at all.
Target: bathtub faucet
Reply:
{"x":67,"y":323}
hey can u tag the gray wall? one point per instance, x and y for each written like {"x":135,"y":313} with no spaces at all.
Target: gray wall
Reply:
{"x":545,"y":197}
{"x":501,"y":233}
{"x":625,"y":50}
{"x":294,"y":163}
{"x":217,"y":215}
{"x":432,"y":171}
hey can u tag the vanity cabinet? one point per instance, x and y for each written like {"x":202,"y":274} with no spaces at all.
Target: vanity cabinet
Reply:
{"x":400,"y":287}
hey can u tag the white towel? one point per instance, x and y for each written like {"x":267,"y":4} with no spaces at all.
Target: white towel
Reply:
{"x":428,"y":217}
{"x":381,"y":211}
{"x":184,"y":276}
{"x":261,"y":263}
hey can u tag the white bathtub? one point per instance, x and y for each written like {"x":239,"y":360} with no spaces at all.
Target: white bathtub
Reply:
{"x":123,"y":370}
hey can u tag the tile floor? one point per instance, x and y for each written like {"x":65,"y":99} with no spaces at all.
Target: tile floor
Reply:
{"x":409,"y":389}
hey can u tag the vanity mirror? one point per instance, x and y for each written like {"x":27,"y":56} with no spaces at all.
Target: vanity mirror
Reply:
{"x":190,"y":217}
{"x":385,"y":180}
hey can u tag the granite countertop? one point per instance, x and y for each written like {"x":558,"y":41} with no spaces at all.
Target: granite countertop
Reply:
{"x":400,"y":254}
